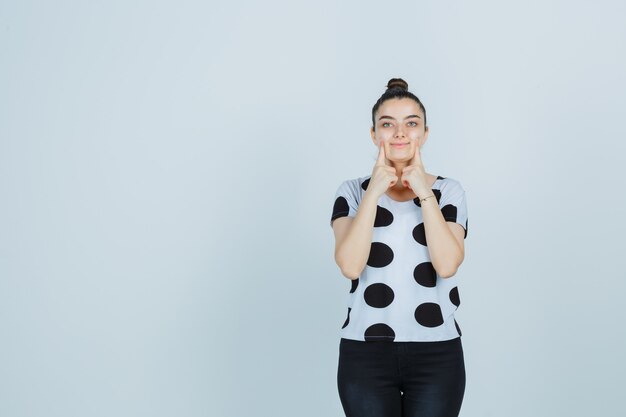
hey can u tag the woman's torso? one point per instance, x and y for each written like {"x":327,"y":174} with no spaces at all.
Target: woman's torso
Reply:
{"x":399,"y":296}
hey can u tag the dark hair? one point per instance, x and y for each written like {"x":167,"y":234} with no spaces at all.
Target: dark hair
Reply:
{"x":396,"y":88}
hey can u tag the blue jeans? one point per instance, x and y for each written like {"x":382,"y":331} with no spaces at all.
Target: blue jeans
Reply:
{"x":401,"y":379}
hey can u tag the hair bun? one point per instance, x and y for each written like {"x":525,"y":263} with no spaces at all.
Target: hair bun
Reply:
{"x":397,"y":83}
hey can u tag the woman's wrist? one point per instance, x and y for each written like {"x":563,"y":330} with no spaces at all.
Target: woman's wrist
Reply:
{"x":426,"y":197}
{"x":370,"y":197}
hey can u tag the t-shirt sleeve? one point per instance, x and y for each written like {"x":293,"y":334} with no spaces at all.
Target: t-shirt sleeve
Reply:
{"x":453,"y":204}
{"x":345,"y":202}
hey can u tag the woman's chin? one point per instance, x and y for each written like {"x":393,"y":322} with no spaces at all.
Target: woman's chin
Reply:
{"x":399,"y":160}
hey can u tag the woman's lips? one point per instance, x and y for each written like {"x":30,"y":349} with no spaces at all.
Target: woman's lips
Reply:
{"x":400,"y":145}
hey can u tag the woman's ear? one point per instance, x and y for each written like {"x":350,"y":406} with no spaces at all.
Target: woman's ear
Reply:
{"x":373,"y":135}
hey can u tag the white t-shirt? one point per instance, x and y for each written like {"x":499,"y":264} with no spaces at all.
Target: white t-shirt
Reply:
{"x":399,"y":296}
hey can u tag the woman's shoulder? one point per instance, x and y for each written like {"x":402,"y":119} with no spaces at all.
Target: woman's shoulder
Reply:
{"x":449,"y":182}
{"x":358,"y":183}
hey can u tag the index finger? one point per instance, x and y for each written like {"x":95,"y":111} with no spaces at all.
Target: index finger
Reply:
{"x":416,"y":153}
{"x":381,"y":160}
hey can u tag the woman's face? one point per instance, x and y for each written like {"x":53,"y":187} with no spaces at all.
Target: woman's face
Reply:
{"x":400,"y":124}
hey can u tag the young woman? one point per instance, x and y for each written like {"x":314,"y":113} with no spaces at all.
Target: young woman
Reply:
{"x":399,"y":238}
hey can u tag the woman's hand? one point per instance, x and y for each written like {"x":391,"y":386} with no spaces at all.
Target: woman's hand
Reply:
{"x":414,"y":176}
{"x":383,"y":174}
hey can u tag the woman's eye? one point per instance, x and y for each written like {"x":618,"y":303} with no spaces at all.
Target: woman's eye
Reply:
{"x":414,"y":122}
{"x":385,"y":123}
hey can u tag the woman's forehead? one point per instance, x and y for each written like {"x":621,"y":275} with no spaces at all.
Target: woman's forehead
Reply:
{"x":399,"y":108}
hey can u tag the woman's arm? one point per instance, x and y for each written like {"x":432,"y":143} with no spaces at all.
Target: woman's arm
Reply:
{"x":444,"y":239}
{"x":353,"y":237}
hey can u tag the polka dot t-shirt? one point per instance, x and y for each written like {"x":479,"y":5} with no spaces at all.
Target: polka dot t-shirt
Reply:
{"x":399,"y":296}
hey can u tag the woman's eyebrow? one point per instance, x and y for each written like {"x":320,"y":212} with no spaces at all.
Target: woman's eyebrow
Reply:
{"x":389,"y":117}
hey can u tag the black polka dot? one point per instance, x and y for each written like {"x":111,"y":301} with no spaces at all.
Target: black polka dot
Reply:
{"x":458,"y":329}
{"x":425,"y":274}
{"x":454,"y":296}
{"x":355,"y":283}
{"x":347,"y":319}
{"x":419,"y":234}
{"x":379,"y":331}
{"x":449,"y":212}
{"x":365,"y":184}
{"x":378,"y":295}
{"x":436,"y":193}
{"x":429,"y":315}
{"x":340,"y":209}
{"x":380,"y":255}
{"x":383,"y":217}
